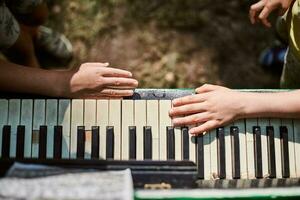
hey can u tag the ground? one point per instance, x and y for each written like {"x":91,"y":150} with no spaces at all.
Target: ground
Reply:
{"x":169,"y":43}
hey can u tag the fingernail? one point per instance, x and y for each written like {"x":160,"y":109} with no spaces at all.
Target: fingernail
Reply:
{"x":106,"y":64}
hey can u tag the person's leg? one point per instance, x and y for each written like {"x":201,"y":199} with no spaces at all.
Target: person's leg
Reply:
{"x":22,"y":51}
{"x":15,"y":40}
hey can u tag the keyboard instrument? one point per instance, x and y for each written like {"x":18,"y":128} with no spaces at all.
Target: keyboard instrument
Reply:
{"x":138,"y":130}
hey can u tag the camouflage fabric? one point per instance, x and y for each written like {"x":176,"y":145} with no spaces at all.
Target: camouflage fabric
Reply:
{"x":9,"y":27}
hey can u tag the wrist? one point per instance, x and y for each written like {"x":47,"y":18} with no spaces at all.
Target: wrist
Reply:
{"x":62,"y":84}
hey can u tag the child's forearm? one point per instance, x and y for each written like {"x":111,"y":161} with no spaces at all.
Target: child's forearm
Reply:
{"x":282,"y":105}
{"x":20,"y":79}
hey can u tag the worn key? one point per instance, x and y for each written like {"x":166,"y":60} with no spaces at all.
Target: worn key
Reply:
{"x":132,"y":142}
{"x":110,"y":142}
{"x":20,"y":142}
{"x":57,"y":151}
{"x":185,"y":143}
{"x":235,"y":145}
{"x":271,"y":152}
{"x":170,"y":143}
{"x":80,"y":142}
{"x":284,"y":152}
{"x":221,"y":153}
{"x":200,"y":156}
{"x":257,"y":151}
{"x":43,"y":142}
{"x":6,"y":141}
{"x":147,"y":142}
{"x":95,"y":142}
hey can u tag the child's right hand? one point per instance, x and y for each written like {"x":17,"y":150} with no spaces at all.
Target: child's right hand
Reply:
{"x":260,"y":11}
{"x":97,"y":80}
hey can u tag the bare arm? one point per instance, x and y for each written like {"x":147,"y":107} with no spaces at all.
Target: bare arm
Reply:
{"x":216,"y":106}
{"x":91,"y":80}
{"x":16,"y":78}
{"x":281,"y":105}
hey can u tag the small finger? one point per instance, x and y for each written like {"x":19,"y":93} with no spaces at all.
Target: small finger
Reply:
{"x":203,"y":128}
{"x":115,"y":93}
{"x":187,"y":109}
{"x":191,"y":119}
{"x":188,"y":100}
{"x":113,"y":72}
{"x":120,"y":82}
{"x":264,"y":16}
{"x":254,"y":9}
{"x":98,"y":64}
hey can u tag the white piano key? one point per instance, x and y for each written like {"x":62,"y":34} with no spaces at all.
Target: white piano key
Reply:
{"x":243,"y":148}
{"x":38,"y":120}
{"x":178,"y":143}
{"x":102,"y":122}
{"x":164,"y":122}
{"x":263,"y":123}
{"x":213,"y":154}
{"x":13,"y":121}
{"x":115,"y":121}
{"x":51,"y":121}
{"x":207,"y":161}
{"x":297,"y":145}
{"x":277,"y":143}
{"x":64,"y":120}
{"x":26,"y":120}
{"x":3,"y":119}
{"x":76,"y":120}
{"x":289,"y":124}
{"x":127,"y":120}
{"x":228,"y":157}
{"x":89,"y":121}
{"x":250,"y":147}
{"x":140,"y":113}
{"x":152,"y":120}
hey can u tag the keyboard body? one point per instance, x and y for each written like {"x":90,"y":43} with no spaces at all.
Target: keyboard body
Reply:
{"x":76,"y":132}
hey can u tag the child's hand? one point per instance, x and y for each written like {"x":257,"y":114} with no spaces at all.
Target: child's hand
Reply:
{"x":260,"y":11}
{"x":212,"y":107}
{"x":97,"y":80}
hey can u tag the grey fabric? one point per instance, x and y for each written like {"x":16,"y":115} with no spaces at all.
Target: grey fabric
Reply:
{"x":9,"y":27}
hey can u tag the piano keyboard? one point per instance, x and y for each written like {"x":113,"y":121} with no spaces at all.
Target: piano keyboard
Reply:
{"x":142,"y":130}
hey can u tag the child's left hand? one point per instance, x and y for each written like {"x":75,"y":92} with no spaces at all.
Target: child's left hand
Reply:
{"x":213,"y":106}
{"x":260,"y":11}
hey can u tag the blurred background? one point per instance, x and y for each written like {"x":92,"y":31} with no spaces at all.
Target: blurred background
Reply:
{"x":169,"y":43}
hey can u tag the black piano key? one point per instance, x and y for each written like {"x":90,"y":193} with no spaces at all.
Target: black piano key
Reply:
{"x":200,"y":156}
{"x":80,"y":141}
{"x":132,"y":142}
{"x":285,"y":152}
{"x":170,"y":143}
{"x":221,"y":153}
{"x":147,"y":142}
{"x":43,"y":142}
{"x":185,"y":143}
{"x":110,"y":138}
{"x":271,"y":152}
{"x":20,"y":142}
{"x":235,"y":153}
{"x":257,"y":151}
{"x":95,"y":142}
{"x":57,"y":151}
{"x":6,"y":141}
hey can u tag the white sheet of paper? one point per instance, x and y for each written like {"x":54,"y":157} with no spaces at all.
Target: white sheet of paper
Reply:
{"x":65,"y":184}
